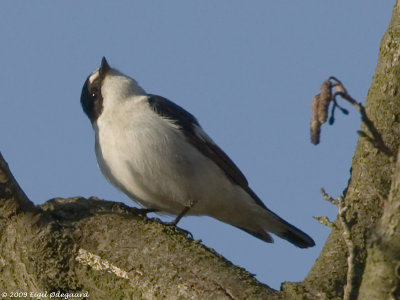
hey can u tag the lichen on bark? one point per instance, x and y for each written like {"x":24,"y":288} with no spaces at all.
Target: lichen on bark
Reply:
{"x":104,"y":248}
{"x":371,"y":174}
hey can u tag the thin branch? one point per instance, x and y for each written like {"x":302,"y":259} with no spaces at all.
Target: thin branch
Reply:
{"x":350,"y":246}
{"x":345,"y":225}
{"x":327,"y":197}
{"x":325,"y":221}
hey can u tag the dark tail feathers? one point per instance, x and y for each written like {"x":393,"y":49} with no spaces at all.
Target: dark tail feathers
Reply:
{"x":292,"y":235}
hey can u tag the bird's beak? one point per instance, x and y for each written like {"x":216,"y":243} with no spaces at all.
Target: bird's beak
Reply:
{"x":104,"y":68}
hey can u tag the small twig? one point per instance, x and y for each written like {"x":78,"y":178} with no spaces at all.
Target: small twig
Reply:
{"x":345,"y":225}
{"x":350,"y":246}
{"x":319,"y":113}
{"x":327,"y":197}
{"x":325,"y":221}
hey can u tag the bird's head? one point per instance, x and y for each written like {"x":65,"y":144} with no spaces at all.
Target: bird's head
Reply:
{"x":106,"y":87}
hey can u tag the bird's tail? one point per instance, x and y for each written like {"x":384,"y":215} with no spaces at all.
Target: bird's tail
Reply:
{"x":270,"y":222}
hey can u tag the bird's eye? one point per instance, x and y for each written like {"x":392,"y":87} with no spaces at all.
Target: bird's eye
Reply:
{"x":94,"y":94}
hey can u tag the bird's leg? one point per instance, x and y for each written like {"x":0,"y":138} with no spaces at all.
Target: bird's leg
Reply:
{"x":143,"y":211}
{"x":179,"y":217}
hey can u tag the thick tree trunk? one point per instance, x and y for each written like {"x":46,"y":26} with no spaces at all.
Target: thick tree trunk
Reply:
{"x":104,"y":248}
{"x":381,"y":277}
{"x":370,"y":181}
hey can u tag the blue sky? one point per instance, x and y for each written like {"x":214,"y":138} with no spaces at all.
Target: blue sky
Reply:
{"x":247,"y":70}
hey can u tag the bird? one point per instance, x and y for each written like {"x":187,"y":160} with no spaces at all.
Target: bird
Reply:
{"x":157,"y":153}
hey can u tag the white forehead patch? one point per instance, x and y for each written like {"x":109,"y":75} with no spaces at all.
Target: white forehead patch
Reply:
{"x":94,"y":75}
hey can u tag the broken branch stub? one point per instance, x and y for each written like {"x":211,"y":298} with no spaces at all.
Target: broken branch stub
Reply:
{"x":319,"y":112}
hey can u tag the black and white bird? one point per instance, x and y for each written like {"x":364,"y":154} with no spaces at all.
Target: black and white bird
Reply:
{"x":156,"y":152}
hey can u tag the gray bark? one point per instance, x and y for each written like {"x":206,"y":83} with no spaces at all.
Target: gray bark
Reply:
{"x":108,"y":250}
{"x":104,"y":248}
{"x":370,"y":183}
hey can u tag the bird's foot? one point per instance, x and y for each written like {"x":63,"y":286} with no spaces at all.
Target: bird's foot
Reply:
{"x":142,"y":211}
{"x":173,"y":223}
{"x":177,"y":219}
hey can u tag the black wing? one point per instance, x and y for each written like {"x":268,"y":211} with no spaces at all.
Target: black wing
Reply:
{"x":199,"y":139}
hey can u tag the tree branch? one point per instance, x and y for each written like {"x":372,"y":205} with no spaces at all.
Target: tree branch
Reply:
{"x":371,"y":170}
{"x":106,"y":249}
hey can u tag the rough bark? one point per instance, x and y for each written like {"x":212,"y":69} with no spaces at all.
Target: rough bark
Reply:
{"x":78,"y":245}
{"x":108,"y":250}
{"x":370,"y":180}
{"x":381,"y":278}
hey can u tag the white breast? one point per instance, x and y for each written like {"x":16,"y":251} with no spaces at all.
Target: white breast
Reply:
{"x":145,"y":156}
{"x":148,"y":158}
